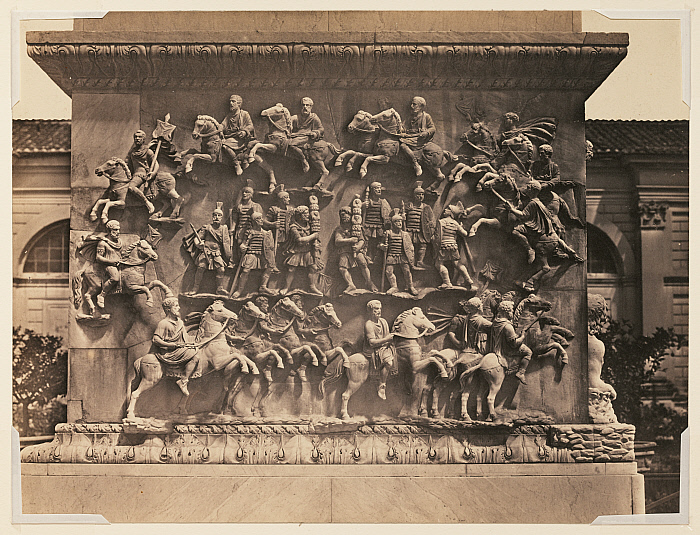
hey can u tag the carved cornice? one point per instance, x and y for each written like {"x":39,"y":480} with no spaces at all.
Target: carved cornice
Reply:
{"x":136,"y":66}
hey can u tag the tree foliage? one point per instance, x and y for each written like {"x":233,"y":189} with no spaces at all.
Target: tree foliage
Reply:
{"x":632,"y":360}
{"x":39,"y":367}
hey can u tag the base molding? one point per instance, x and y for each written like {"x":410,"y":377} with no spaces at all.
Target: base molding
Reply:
{"x":450,"y":493}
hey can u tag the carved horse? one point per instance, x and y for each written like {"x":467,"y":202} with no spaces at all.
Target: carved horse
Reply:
{"x":162,"y":189}
{"x":212,"y":148}
{"x":319,"y":153}
{"x":245,"y":335}
{"x":413,"y":365}
{"x":213,"y":353}
{"x":379,"y":141}
{"x":543,"y":336}
{"x":314,"y":329}
{"x":132,"y":271}
{"x":120,"y":182}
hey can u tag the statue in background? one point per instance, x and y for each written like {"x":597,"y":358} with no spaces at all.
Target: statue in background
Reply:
{"x":600,"y":393}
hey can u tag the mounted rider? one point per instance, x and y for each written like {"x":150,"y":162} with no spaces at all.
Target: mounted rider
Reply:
{"x":505,"y":343}
{"x":172,"y":347}
{"x":108,"y":254}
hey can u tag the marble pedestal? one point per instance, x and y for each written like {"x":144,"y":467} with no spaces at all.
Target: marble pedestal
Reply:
{"x":523,"y":493}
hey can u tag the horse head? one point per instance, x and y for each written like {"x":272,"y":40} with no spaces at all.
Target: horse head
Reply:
{"x":535,"y":303}
{"x":326,"y":314}
{"x":114,"y":168}
{"x":204,"y":126}
{"x":411,"y":323}
{"x":361,"y":122}
{"x":145,"y":250}
{"x":251,"y":310}
{"x":287,"y":307}
{"x":218,"y":312}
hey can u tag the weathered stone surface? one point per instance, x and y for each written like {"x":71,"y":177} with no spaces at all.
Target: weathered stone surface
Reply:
{"x":282,"y":494}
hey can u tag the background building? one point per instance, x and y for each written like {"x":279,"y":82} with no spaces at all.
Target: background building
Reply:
{"x":637,"y":203}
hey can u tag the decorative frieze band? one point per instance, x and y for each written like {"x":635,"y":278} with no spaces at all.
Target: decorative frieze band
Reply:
{"x":135,"y":66}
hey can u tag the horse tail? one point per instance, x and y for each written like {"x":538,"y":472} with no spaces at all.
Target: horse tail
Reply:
{"x":167,"y":292}
{"x":78,"y":289}
{"x":332,"y":374}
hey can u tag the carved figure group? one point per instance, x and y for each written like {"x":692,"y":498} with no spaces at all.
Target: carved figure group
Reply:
{"x":269,"y":344}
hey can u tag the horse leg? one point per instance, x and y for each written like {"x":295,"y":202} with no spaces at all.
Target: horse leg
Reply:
{"x":341,"y":158}
{"x":378,"y":158}
{"x":228,"y":373}
{"x":267,"y":168}
{"x":253,"y":154}
{"x":300,"y":153}
{"x":438,"y":387}
{"x":108,"y":205}
{"x":495,"y":378}
{"x":355,"y":380}
{"x":320,"y":183}
{"x":422,"y":364}
{"x":98,"y":204}
{"x":150,"y":372}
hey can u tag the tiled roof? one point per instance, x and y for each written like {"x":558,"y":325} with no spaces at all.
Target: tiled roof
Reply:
{"x":32,"y":136}
{"x":638,"y":137}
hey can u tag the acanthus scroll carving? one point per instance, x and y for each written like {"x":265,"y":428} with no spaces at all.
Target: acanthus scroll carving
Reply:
{"x":316,"y":65}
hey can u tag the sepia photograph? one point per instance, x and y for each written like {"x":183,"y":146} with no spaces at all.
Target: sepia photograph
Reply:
{"x":330,"y":266}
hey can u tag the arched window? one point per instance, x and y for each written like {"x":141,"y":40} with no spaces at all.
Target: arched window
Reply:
{"x":48,"y":251}
{"x":603,"y":258}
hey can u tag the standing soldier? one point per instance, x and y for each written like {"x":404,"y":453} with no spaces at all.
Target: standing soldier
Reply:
{"x":351,"y":252}
{"x":108,"y":255}
{"x":210,"y":249}
{"x":379,"y":345}
{"x":447,"y":249}
{"x":257,"y":252}
{"x":376,"y":218}
{"x":240,"y":222}
{"x":398,"y":248}
{"x":299,"y":250}
{"x":139,"y":161}
{"x":419,"y":222}
{"x":506,"y":343}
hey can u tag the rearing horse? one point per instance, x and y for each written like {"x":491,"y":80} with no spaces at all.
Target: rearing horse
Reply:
{"x":214,"y":353}
{"x":132,"y":270}
{"x":116,"y":170}
{"x":212,"y":147}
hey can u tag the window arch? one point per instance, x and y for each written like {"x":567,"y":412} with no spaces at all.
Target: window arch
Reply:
{"x":48,"y":251}
{"x":603,"y":257}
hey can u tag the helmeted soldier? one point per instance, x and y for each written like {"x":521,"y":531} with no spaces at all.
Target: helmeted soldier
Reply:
{"x":447,"y":249}
{"x":257,"y":251}
{"x":299,"y":250}
{"x":242,"y":213}
{"x":210,"y":248}
{"x":351,"y":251}
{"x":420,"y":223}
{"x":399,"y":252}
{"x":505,"y":342}
{"x":376,"y":218}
